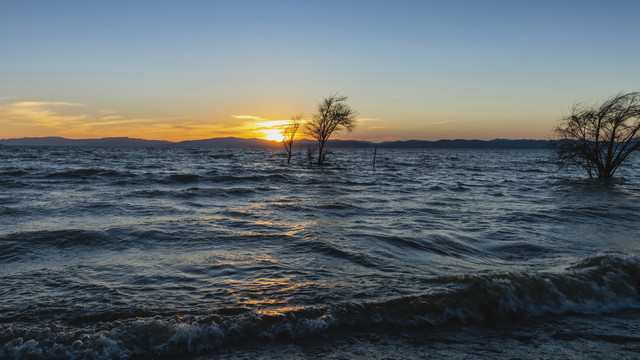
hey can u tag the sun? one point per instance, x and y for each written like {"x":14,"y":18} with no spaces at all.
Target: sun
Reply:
{"x":275,"y":136}
{"x":272,"y":129}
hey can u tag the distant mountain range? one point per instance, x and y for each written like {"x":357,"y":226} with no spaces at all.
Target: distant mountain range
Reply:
{"x":233,"y":142}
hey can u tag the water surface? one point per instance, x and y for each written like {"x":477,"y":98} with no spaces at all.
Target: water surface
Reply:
{"x":145,"y":252}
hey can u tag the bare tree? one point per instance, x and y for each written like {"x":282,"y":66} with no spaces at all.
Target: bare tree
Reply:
{"x":289,"y":134}
{"x":333,"y":114}
{"x":599,"y":138}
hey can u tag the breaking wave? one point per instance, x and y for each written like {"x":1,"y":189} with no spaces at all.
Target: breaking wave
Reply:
{"x":594,"y":285}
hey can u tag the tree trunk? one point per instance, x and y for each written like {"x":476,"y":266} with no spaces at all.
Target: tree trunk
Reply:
{"x":320,"y":157}
{"x":605,"y":173}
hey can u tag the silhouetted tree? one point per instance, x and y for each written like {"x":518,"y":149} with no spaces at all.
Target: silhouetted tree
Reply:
{"x":333,"y":114}
{"x":289,"y":134}
{"x":599,"y":138}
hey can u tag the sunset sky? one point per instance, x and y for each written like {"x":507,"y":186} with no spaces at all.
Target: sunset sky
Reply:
{"x":179,"y":70}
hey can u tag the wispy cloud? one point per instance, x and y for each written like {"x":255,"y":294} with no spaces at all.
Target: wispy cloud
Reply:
{"x":39,"y":114}
{"x":45,"y":118}
{"x":107,"y":111}
{"x":38,"y":104}
{"x":111,"y":117}
{"x":258,"y":122}
{"x":437,"y":122}
{"x":441,"y":115}
{"x":247,"y":117}
{"x":117,"y":120}
{"x":260,"y":127}
{"x":59,"y":118}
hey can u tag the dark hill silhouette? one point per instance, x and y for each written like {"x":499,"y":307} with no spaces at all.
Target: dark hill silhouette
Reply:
{"x":107,"y":142}
{"x":233,"y":142}
{"x":337,"y":143}
{"x":467,"y":144}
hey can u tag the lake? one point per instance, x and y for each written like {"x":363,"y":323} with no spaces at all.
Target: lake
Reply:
{"x":109,"y":253}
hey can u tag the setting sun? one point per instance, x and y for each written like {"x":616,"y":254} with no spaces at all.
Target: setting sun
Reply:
{"x":272,"y":129}
{"x":274,"y":136}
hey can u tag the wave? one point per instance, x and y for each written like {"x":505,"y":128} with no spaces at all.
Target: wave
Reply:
{"x":13,"y":173}
{"x":222,"y":156}
{"x":599,"y":284}
{"x":82,"y":173}
{"x":187,"y":178}
{"x":249,"y":178}
{"x":19,"y":246}
{"x":338,"y":252}
{"x":183,"y":178}
{"x":532,"y":170}
{"x":127,"y":178}
{"x":14,"y":247}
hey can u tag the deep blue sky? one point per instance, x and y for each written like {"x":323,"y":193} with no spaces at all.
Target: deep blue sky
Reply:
{"x":413,"y":69}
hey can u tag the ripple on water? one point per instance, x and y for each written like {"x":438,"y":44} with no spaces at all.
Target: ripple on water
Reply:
{"x":118,"y":253}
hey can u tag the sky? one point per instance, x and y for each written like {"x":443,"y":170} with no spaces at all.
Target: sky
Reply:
{"x":428,"y":70}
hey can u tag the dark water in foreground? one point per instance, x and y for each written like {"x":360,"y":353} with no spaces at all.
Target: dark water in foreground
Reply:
{"x":187,"y":253}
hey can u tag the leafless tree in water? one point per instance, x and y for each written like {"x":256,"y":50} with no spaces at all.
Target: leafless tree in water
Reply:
{"x":289,"y":134}
{"x":333,"y":114}
{"x":599,"y":137}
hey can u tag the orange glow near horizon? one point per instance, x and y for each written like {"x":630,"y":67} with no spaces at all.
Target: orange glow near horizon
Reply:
{"x":79,"y":121}
{"x":271,"y":129}
{"x":275,"y":136}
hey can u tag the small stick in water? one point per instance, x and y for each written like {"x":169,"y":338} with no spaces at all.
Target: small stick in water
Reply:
{"x":375,"y":152}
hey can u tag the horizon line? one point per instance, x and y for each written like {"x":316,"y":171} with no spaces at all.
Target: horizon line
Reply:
{"x":259,"y":139}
